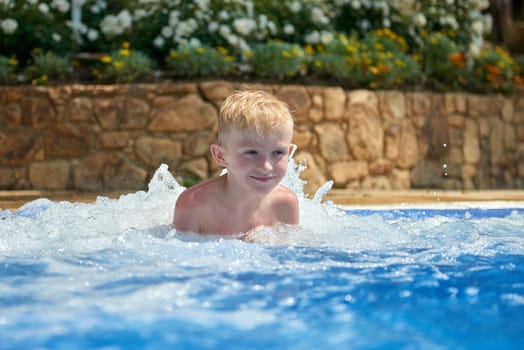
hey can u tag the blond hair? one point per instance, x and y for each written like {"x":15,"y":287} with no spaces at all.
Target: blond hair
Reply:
{"x":255,"y":110}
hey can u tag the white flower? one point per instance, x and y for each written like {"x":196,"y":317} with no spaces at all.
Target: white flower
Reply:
{"x":212,"y":26}
{"x":312,"y":38}
{"x":244,"y":26}
{"x":56,"y":37}
{"x":223,"y":15}
{"x":420,"y":20}
{"x":31,"y":2}
{"x":124,"y":19}
{"x":475,"y":47}
{"x":110,"y":26}
{"x":203,"y":4}
{"x":355,"y":4}
{"x":9,"y":25}
{"x":289,"y":29}
{"x":317,"y":15}
{"x":272,"y":27}
{"x":174,"y":18}
{"x":44,"y":8}
{"x":167,"y":32}
{"x":92,"y":34}
{"x":262,"y":21}
{"x":477,"y":27}
{"x":194,"y":42}
{"x":60,"y":5}
{"x":295,"y":6}
{"x":139,"y":14}
{"x":326,"y":37}
{"x":224,"y":30}
{"x":159,"y":41}
{"x":78,"y":2}
{"x":364,"y":25}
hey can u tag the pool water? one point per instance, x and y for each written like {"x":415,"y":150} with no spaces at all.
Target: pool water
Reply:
{"x":114,"y":275}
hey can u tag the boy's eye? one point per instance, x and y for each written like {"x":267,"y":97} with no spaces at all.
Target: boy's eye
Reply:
{"x":278,"y":152}
{"x":250,"y":152}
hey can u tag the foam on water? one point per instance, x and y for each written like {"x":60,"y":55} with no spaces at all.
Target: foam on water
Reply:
{"x":71,"y":271}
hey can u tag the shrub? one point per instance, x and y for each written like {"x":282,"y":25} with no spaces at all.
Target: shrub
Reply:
{"x":494,"y":70}
{"x":275,"y":60}
{"x":444,"y":65}
{"x":123,"y":66}
{"x":7,"y":68}
{"x":195,"y":61}
{"x":47,"y":66}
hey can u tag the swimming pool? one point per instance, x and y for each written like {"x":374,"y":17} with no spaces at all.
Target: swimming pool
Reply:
{"x":112,"y":274}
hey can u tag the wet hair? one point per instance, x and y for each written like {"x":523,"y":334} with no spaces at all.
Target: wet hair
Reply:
{"x":253,"y":110}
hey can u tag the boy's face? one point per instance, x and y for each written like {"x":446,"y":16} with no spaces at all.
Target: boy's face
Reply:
{"x":254,"y":162}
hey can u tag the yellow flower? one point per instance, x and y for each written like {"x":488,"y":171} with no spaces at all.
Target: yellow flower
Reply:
{"x":350,"y":48}
{"x":229,"y":58}
{"x":173,"y":54}
{"x":295,"y":51}
{"x":125,"y":45}
{"x":374,"y":70}
{"x":309,"y":49}
{"x":286,"y":54}
{"x":248,"y":53}
{"x":379,"y":46}
{"x":400,"y":63}
{"x":105,"y":59}
{"x":124,"y":52}
{"x":222,"y":50}
{"x":200,"y":50}
{"x":318,"y":64}
{"x":12,"y":61}
{"x":118,"y":65}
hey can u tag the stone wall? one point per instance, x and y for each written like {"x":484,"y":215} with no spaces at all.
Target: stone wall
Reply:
{"x":102,"y":138}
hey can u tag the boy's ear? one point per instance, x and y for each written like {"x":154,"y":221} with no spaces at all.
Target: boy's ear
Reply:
{"x":218,"y":154}
{"x":292,"y":149}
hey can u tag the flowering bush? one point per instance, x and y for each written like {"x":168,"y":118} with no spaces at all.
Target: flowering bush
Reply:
{"x":379,"y":60}
{"x":495,"y":71}
{"x":48,"y":66}
{"x":445,"y":66}
{"x":393,"y":43}
{"x":275,"y":60}
{"x":195,"y":61}
{"x":123,"y":65}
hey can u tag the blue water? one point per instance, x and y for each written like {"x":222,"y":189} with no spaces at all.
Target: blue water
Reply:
{"x":114,"y":275}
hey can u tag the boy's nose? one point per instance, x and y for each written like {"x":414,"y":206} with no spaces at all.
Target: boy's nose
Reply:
{"x":266,"y":164}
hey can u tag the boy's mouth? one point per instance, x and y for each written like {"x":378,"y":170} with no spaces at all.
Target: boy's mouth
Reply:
{"x":263,"y":178}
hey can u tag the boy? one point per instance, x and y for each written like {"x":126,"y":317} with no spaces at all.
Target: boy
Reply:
{"x":254,"y":144}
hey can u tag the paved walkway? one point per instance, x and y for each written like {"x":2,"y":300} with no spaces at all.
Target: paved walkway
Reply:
{"x":14,"y":199}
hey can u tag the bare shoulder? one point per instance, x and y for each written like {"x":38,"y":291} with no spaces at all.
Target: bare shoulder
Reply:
{"x":191,"y":204}
{"x":285,"y":202}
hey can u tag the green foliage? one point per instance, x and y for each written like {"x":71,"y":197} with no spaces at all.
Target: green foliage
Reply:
{"x":444,"y":65}
{"x":494,"y":70}
{"x":48,"y":66}
{"x":191,"y":61}
{"x":123,"y":66}
{"x":7,"y":68}
{"x":36,"y":26}
{"x":275,"y":60}
{"x":376,"y":61}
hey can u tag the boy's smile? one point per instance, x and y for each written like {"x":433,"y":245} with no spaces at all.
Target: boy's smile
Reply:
{"x":257,"y":163}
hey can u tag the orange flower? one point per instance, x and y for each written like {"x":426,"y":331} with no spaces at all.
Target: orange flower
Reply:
{"x":458,"y":59}
{"x":494,"y":70}
{"x":518,"y":80}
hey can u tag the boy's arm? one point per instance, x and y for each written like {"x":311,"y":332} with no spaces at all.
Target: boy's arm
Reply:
{"x":183,"y":217}
{"x":287,"y":207}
